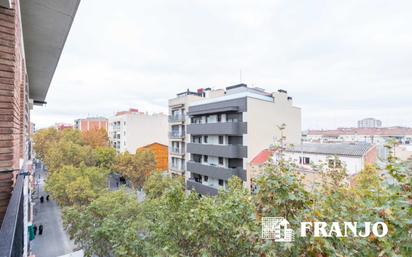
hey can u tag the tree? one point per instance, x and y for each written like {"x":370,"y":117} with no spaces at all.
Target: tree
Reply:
{"x":105,"y":157}
{"x":108,"y":226}
{"x":66,"y":152}
{"x":95,"y":138}
{"x":42,"y":138}
{"x":159,"y":184}
{"x":136,"y":167}
{"x":76,"y":185}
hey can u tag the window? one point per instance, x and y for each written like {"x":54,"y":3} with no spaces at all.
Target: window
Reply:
{"x":221,"y":182}
{"x":206,"y":118}
{"x":220,"y":140}
{"x":334,"y":163}
{"x":221,"y":161}
{"x":219,"y":117}
{"x":206,"y":178}
{"x":205,"y":139}
{"x":205,"y":158}
{"x":304,"y":160}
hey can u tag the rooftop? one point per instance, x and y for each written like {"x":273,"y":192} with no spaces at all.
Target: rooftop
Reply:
{"x":344,"y":149}
{"x":388,"y":131}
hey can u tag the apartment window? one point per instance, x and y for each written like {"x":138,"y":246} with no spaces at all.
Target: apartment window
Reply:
{"x":219,"y":117}
{"x":196,"y":120}
{"x":205,"y":158}
{"x":206,"y":118}
{"x":304,"y":160}
{"x":220,"y":140}
{"x":221,"y":182}
{"x":197,"y":139}
{"x":205,"y":139}
{"x":221,"y":161}
{"x":206,"y":178}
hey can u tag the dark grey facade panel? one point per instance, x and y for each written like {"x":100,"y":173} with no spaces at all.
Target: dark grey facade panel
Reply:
{"x":200,"y":188}
{"x":237,"y":105}
{"x":215,"y":171}
{"x":227,"y":151}
{"x":220,"y":128}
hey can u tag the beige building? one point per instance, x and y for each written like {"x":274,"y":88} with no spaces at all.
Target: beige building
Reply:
{"x":129,"y":130}
{"x":224,"y":129}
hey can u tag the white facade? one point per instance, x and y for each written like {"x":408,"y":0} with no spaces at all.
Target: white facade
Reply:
{"x":130,"y":130}
{"x":369,"y":123}
{"x":353,"y":164}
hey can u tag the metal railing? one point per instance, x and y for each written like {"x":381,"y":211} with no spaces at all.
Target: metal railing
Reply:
{"x":12,"y":229}
{"x":176,"y":118}
{"x":176,"y":151}
{"x":176,"y":134}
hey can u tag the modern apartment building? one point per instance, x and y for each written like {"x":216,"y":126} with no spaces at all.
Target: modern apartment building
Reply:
{"x":130,"y":130}
{"x":224,"y":129}
{"x":91,"y":123}
{"x":369,"y":123}
{"x":30,"y":48}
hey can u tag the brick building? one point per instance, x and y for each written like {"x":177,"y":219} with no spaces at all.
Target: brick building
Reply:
{"x":29,"y":52}
{"x":91,"y":123}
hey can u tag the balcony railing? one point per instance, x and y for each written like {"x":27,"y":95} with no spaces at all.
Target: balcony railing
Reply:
{"x":215,"y":171}
{"x":176,"y":135}
{"x":176,"y":118}
{"x":176,"y":151}
{"x":12,"y":229}
{"x":201,"y":188}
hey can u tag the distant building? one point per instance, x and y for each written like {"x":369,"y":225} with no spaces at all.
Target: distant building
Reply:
{"x":402,"y":135}
{"x":214,"y":133}
{"x":353,"y":157}
{"x":130,"y":130}
{"x":91,"y":123}
{"x":161,"y":154}
{"x":62,"y":126}
{"x":369,"y":123}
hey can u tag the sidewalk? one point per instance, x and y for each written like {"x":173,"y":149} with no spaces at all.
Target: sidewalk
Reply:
{"x":54,"y":241}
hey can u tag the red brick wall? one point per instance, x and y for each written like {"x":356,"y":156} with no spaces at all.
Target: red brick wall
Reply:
{"x":371,"y":156}
{"x":86,"y":125}
{"x":13,"y":114}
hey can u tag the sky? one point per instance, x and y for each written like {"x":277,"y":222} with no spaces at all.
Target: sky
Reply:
{"x":341,"y":61}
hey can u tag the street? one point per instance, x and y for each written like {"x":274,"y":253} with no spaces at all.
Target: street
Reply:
{"x":54,"y":241}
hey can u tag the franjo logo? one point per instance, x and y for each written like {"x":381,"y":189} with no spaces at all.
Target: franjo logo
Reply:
{"x":277,"y":229}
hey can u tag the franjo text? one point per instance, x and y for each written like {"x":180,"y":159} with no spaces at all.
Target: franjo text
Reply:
{"x":345,"y":229}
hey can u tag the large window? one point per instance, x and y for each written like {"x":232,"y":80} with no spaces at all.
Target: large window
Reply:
{"x":205,"y":139}
{"x":221,"y":140}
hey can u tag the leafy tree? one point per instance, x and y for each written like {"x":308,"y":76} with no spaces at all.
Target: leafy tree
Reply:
{"x":65,"y":152}
{"x":159,"y":184}
{"x":95,"y":138}
{"x":76,"y":185}
{"x":136,"y":167}
{"x":42,"y":138}
{"x":105,"y":157}
{"x":109,"y":226}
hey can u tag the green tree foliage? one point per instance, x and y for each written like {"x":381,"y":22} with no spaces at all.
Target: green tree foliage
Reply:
{"x":159,"y":184}
{"x":76,"y":185}
{"x":42,"y":138}
{"x":109,"y":226}
{"x":136,"y":167}
{"x":105,"y":157}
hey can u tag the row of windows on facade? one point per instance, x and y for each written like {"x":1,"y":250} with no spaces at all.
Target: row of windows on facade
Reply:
{"x":198,"y":178}
{"x":219,"y":118}
{"x":198,"y":139}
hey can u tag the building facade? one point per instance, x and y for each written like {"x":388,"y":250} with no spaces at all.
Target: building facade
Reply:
{"x":225,"y":128}
{"x":130,"y":130}
{"x":369,"y":123}
{"x":30,"y":50}
{"x":160,"y":153}
{"x":91,"y":123}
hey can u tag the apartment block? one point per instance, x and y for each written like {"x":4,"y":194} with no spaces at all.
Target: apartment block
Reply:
{"x":224,"y":129}
{"x":132,"y":129}
{"x":91,"y":123}
{"x":369,"y":123}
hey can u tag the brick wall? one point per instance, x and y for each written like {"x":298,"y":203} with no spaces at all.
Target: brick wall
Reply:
{"x":371,"y":156}
{"x":13,"y":101}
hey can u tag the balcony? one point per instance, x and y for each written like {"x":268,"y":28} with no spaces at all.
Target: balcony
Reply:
{"x":176,"y":135}
{"x":218,"y":128}
{"x":227,"y":151}
{"x":175,"y":168}
{"x":200,"y":188}
{"x":12,"y":229}
{"x":176,"y":151}
{"x":215,"y":171}
{"x":176,"y":118}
